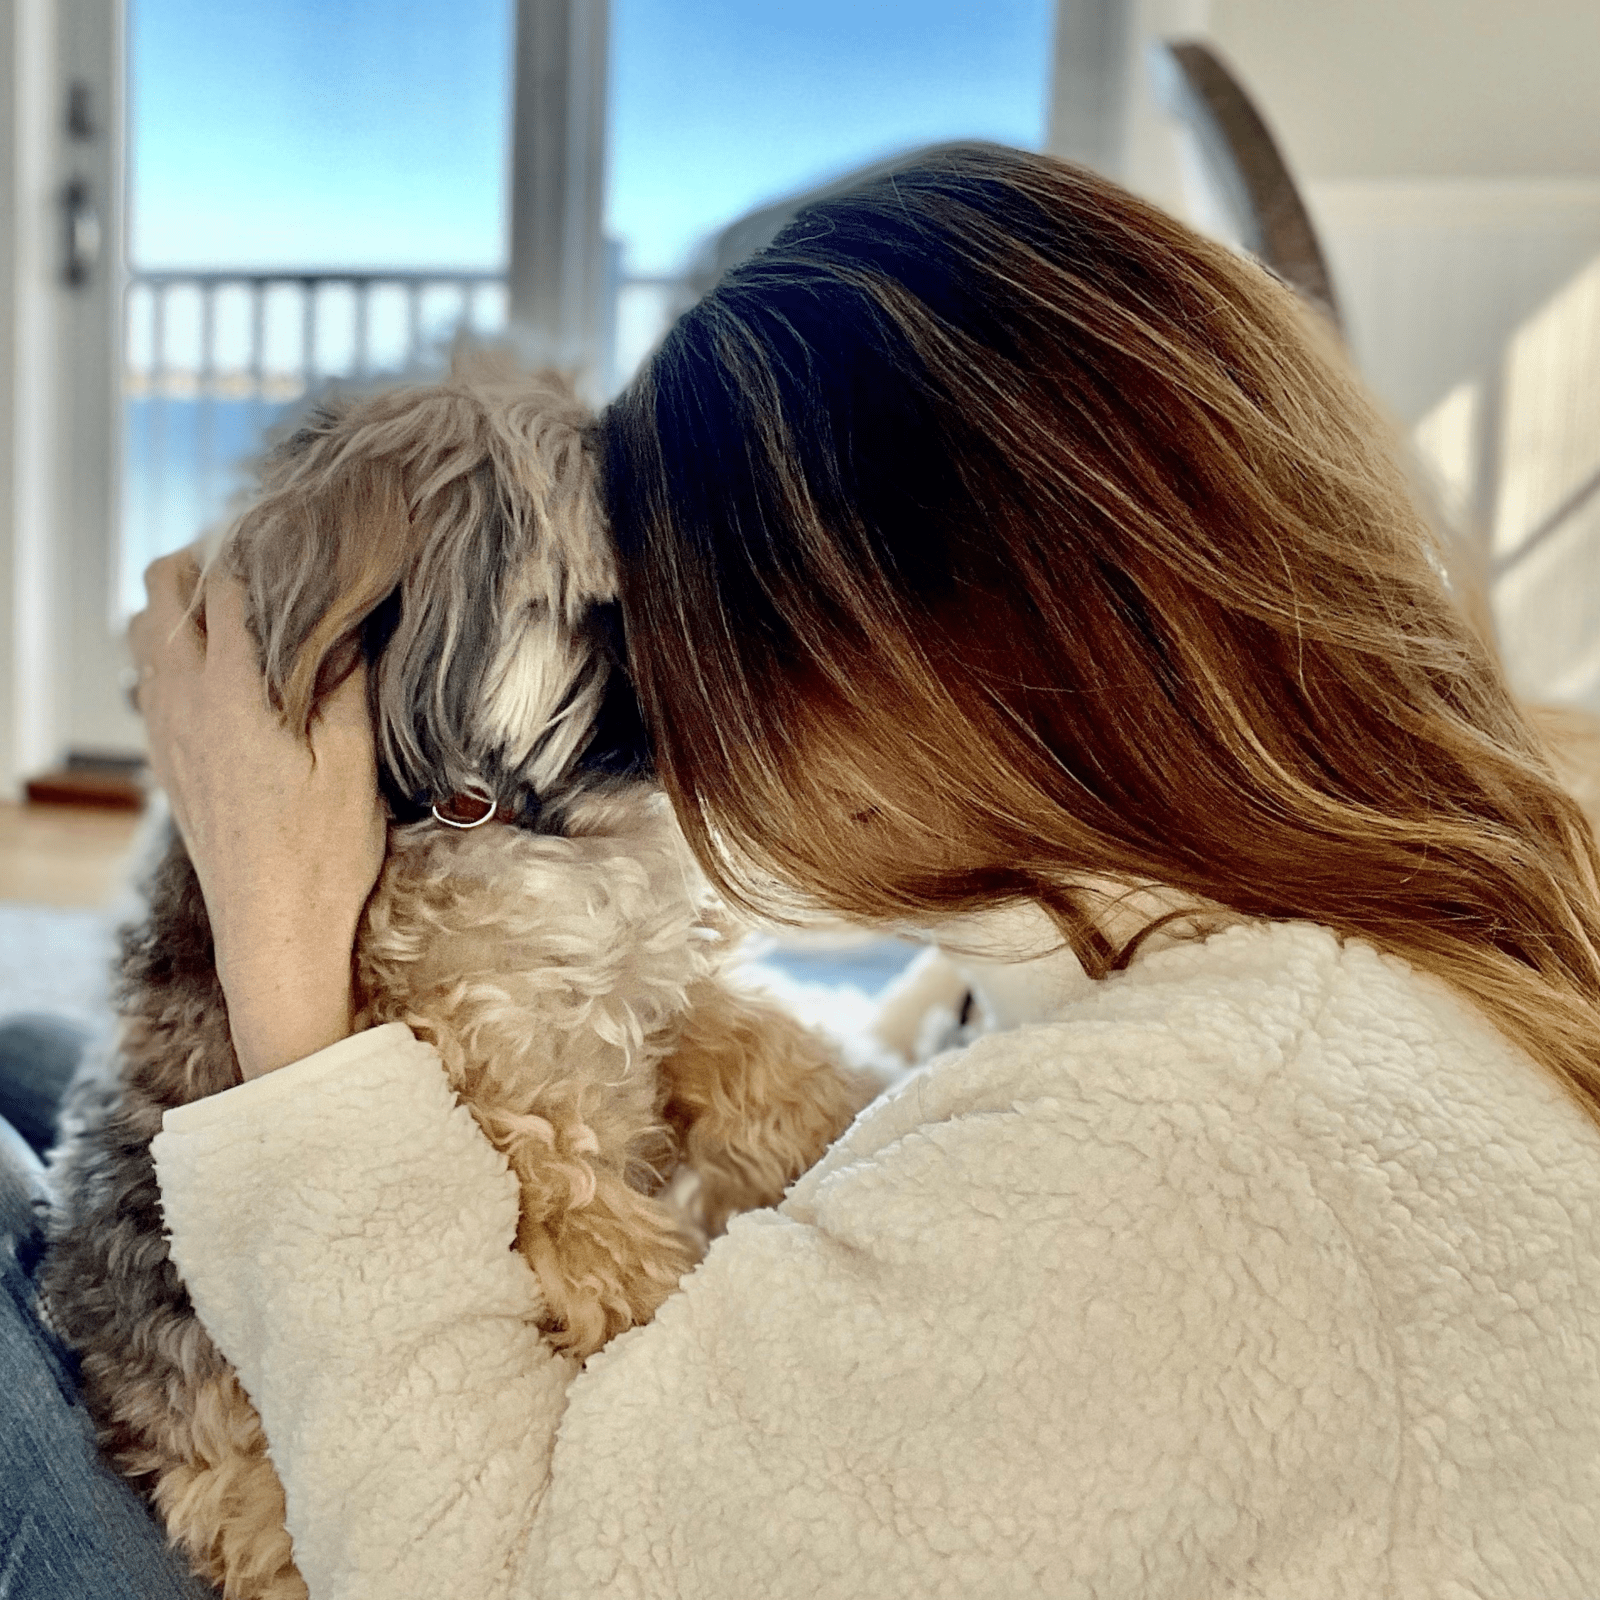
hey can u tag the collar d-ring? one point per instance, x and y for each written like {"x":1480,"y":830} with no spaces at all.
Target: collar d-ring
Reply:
{"x":470,"y":808}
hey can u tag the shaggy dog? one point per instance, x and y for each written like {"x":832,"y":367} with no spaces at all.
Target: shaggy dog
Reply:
{"x":562,"y":956}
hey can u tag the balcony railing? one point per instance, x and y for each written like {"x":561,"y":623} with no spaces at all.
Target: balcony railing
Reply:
{"x":271,"y":335}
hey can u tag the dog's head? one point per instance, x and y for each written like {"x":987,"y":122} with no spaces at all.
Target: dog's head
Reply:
{"x":451,"y":535}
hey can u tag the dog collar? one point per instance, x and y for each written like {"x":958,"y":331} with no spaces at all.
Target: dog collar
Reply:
{"x":471,"y":808}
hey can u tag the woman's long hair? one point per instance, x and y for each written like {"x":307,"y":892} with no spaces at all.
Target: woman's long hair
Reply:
{"x":991,"y":531}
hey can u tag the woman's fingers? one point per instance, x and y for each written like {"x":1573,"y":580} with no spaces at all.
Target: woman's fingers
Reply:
{"x":346,"y":707}
{"x":170,"y":584}
{"x":286,"y":841}
{"x":231,"y":653}
{"x":165,"y":622}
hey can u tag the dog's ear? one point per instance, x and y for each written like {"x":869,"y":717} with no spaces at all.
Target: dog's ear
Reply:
{"x":369,"y":498}
{"x":318,"y":553}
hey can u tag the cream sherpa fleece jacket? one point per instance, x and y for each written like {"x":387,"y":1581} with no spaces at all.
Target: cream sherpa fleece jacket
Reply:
{"x":1265,"y":1268}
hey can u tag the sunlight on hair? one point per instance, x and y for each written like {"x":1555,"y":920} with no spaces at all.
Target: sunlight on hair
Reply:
{"x":1119,"y":580}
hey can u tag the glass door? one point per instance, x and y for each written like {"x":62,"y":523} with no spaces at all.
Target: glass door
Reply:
{"x":314,"y":193}
{"x":322,"y":192}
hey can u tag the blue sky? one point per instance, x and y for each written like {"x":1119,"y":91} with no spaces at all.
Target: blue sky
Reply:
{"x":302,"y":132}
{"x":373,"y":132}
{"x":717,"y":105}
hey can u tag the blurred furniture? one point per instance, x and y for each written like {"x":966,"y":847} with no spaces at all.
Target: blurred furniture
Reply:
{"x":1246,"y":169}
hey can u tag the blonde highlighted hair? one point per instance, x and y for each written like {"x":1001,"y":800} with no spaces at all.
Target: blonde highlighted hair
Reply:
{"x":991,"y":532}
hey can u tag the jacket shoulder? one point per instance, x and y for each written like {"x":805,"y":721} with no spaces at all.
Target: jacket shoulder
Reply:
{"x":1103,"y":1322}
{"x":1205,"y":1021}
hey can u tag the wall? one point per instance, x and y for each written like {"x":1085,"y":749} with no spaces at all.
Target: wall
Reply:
{"x":60,"y":648}
{"x":1450,"y":156}
{"x":1424,"y":88}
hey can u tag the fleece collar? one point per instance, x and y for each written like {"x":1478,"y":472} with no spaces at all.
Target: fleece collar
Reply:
{"x":1015,"y":960}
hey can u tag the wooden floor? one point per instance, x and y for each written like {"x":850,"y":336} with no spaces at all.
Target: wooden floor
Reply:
{"x":64,"y":855}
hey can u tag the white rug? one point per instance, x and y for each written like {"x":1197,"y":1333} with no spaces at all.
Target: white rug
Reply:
{"x":56,"y":961}
{"x":59,"y":962}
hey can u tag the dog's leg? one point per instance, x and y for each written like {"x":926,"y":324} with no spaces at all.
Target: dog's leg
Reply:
{"x":755,"y":1097}
{"x":928,"y":998}
{"x":605,"y":1252}
{"x":607,"y":1266}
{"x":223,"y":1502}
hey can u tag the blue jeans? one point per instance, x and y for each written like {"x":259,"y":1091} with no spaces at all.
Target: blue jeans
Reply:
{"x":70,"y":1529}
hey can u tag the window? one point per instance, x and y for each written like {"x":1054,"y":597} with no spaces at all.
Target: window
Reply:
{"x":717,"y":106}
{"x":314,"y":191}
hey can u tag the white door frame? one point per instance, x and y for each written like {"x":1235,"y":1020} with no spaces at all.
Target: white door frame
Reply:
{"x":60,"y":370}
{"x":27,"y":385}
{"x":91,"y":120}
{"x":560,"y":289}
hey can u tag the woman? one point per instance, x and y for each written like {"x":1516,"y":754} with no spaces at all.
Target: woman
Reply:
{"x":1001,"y":558}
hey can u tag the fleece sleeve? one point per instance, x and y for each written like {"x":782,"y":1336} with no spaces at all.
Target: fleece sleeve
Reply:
{"x":345,"y":1232}
{"x":1105,"y":1342}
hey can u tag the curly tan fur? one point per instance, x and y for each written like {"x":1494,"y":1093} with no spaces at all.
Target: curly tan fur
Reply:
{"x":570,"y":970}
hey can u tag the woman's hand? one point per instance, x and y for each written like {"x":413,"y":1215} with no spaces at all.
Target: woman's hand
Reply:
{"x":287,"y":841}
